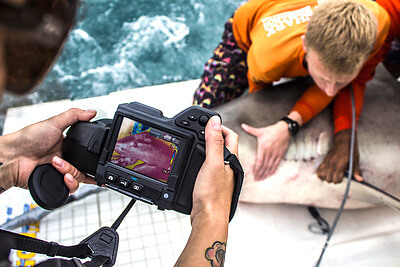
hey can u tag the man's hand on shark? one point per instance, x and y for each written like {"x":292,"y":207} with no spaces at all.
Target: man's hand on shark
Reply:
{"x":272,"y":143}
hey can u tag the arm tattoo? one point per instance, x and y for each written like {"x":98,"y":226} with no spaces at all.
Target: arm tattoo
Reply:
{"x":216,"y":254}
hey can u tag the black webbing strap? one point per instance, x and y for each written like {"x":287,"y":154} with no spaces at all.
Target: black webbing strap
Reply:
{"x":239,"y":175}
{"x":26,"y":243}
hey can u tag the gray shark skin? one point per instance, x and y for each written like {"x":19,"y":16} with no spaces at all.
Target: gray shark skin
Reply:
{"x":295,"y":180}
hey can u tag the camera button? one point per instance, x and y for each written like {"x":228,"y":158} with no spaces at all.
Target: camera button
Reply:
{"x":185,"y":123}
{"x":138,"y":188}
{"x":124,"y":183}
{"x":192,"y":118}
{"x":203,"y":120}
{"x":111,"y":177}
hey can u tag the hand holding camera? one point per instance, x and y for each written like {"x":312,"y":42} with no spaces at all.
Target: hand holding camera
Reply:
{"x":35,"y":144}
{"x":215,"y":182}
{"x":141,"y":154}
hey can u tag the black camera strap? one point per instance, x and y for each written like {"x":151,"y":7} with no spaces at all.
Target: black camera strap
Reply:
{"x":235,"y":165}
{"x":101,"y":246}
{"x":26,"y":243}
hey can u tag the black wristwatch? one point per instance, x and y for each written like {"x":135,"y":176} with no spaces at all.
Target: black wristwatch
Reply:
{"x":293,"y":126}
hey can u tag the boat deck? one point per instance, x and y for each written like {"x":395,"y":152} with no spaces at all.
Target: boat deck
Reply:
{"x":259,"y":234}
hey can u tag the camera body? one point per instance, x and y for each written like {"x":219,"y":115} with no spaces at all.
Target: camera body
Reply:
{"x":143,"y":154}
{"x":140,"y":153}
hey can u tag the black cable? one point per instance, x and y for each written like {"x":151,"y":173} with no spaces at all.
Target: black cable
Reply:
{"x":123,"y":214}
{"x":321,"y":226}
{"x":346,"y":193}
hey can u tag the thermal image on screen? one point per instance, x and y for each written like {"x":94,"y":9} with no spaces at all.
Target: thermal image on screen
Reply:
{"x":145,"y":150}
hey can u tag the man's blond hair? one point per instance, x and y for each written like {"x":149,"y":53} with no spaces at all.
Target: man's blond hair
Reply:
{"x":342,"y":33}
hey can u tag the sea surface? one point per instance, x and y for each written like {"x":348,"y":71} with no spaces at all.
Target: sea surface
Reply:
{"x":122,"y":44}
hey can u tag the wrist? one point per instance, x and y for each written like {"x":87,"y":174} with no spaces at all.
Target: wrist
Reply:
{"x":209,"y":216}
{"x":9,"y":147}
{"x":296,"y":116}
{"x":7,"y":175}
{"x":9,"y":160}
{"x":292,"y":125}
{"x":209,"y":222}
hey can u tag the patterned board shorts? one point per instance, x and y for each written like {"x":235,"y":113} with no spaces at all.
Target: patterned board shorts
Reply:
{"x":225,"y":74}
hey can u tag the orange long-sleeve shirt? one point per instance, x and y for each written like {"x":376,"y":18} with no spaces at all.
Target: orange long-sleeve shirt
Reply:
{"x":270,"y":32}
{"x":393,"y":9}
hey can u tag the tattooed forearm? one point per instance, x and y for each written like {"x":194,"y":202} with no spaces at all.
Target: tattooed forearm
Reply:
{"x":216,"y":254}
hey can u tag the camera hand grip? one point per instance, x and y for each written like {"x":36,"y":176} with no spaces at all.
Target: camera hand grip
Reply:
{"x":82,"y":148}
{"x":47,"y":187}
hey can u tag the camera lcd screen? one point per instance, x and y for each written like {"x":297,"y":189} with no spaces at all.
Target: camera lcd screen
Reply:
{"x":146,"y":150}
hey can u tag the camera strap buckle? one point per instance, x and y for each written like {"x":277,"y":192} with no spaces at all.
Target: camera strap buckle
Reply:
{"x":104,"y":246}
{"x":104,"y":242}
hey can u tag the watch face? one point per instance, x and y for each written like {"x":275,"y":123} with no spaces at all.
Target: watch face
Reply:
{"x":293,"y":126}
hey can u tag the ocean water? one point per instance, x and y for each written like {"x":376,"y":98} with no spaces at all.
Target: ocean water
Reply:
{"x":121,"y":44}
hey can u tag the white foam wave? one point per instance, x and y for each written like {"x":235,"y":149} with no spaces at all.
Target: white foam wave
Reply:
{"x":151,"y":33}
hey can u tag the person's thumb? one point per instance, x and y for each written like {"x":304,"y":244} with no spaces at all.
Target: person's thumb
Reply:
{"x":214,"y":138}
{"x":69,"y":117}
{"x":249,"y":129}
{"x":357,"y":173}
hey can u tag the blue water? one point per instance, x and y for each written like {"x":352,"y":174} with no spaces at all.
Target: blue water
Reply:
{"x":123,"y":44}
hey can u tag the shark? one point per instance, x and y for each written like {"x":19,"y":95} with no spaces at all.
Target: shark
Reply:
{"x":295,"y":181}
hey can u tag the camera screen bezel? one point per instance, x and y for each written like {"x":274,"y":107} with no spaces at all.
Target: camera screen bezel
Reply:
{"x":162,"y":124}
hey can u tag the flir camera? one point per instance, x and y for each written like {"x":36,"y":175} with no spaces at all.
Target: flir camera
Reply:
{"x":140,"y":153}
{"x":153,"y":158}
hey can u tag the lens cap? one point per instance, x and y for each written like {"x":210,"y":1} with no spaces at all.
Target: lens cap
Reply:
{"x":47,"y":187}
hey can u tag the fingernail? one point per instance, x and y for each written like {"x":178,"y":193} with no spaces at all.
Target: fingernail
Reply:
{"x":216,"y":122}
{"x":58,"y":161}
{"x":70,"y":178}
{"x":91,"y":111}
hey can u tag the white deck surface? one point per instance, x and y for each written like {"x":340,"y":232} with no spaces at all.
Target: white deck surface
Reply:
{"x":259,"y":235}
